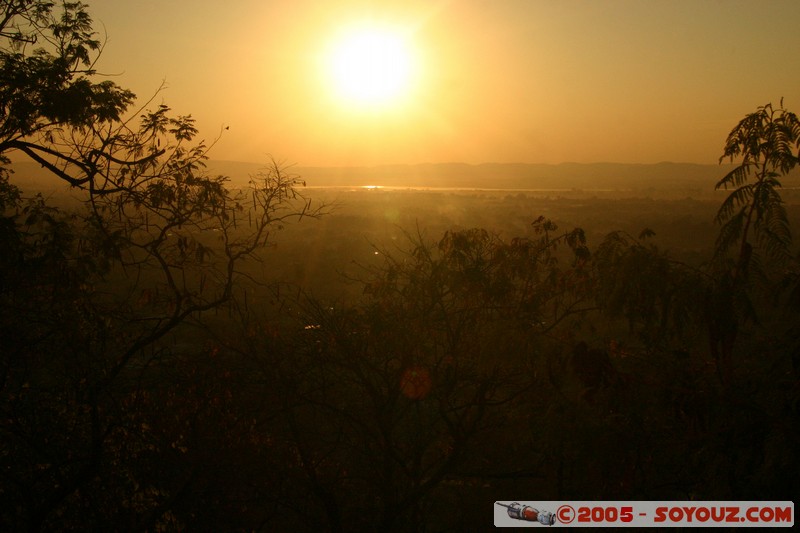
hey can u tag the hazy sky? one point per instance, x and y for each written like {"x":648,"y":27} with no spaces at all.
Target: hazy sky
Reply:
{"x":545,"y":81}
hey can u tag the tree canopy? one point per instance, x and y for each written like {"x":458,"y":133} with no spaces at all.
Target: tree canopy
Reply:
{"x":767,"y":143}
{"x":90,"y":294}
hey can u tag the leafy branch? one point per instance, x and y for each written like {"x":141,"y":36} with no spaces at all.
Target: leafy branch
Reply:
{"x":768,"y":144}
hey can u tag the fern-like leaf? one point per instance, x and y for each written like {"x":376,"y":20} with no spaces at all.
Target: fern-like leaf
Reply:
{"x":730,"y":233}
{"x":734,"y":178}
{"x":737,"y":198}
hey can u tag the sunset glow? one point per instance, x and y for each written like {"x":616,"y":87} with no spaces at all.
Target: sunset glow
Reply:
{"x":368,"y":83}
{"x":370,"y":66}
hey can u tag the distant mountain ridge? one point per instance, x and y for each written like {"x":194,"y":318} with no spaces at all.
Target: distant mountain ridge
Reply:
{"x":586,"y":176}
{"x":503,"y":175}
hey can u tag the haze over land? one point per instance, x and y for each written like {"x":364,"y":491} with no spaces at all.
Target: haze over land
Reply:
{"x":660,"y":179}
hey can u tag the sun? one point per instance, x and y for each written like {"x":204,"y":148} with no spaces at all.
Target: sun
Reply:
{"x":371,"y":66}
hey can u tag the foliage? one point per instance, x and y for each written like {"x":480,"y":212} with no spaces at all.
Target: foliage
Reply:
{"x":46,"y":76}
{"x":91,"y":299}
{"x":655,"y":294}
{"x":472,"y":273}
{"x":753,"y":222}
{"x":766,"y":142}
{"x":387,"y":404}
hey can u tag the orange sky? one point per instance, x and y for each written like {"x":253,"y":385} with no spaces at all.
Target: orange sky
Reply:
{"x":636,"y":81}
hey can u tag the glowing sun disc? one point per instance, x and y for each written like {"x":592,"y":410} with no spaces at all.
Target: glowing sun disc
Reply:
{"x":371,"y":66}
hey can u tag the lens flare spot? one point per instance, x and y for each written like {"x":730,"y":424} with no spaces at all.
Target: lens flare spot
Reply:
{"x":416,"y":383}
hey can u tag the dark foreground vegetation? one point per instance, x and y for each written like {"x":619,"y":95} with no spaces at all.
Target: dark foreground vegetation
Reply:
{"x":162,"y":368}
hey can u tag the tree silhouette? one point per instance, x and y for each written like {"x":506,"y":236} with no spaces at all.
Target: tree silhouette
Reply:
{"x":92,"y":299}
{"x":753,"y":221}
{"x":47,"y":85}
{"x":768,"y":143}
{"x":409,"y":396}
